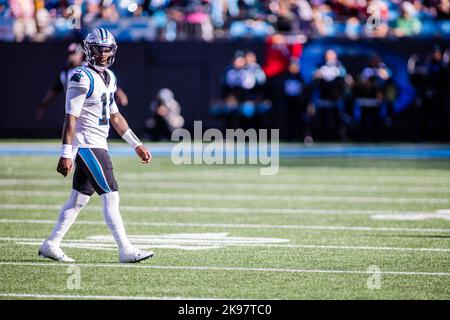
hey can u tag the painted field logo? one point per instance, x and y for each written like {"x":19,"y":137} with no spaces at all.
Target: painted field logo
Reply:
{"x":181,"y":241}
{"x":237,"y":147}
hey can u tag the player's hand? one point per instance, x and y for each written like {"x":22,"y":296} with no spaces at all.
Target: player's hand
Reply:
{"x":123,"y":101}
{"x":64,"y":166}
{"x":144,"y":154}
{"x":40,"y":111}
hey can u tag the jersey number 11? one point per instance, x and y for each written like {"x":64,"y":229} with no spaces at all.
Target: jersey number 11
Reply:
{"x":104,"y":120}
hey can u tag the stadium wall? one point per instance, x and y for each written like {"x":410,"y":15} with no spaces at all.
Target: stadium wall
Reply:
{"x":191,"y":69}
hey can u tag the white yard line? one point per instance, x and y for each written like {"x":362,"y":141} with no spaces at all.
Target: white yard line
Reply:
{"x":297,"y":176}
{"x":207,"y":268}
{"x":230,"y":175}
{"x":241,"y":226}
{"x":37,"y":241}
{"x":242,"y":197}
{"x":241,"y":186}
{"x":231,"y":210}
{"x":100,"y":297}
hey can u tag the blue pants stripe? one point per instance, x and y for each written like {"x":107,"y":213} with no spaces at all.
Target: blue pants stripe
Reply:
{"x":94,"y":167}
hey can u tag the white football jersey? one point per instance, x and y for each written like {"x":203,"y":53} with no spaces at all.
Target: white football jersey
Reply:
{"x":65,"y":73}
{"x":92,"y":126}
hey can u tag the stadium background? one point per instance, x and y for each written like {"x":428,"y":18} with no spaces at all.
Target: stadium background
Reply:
{"x":187,"y":45}
{"x":335,"y":216}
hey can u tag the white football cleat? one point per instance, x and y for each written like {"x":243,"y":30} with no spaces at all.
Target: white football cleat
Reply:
{"x":51,"y":251}
{"x":133,"y":254}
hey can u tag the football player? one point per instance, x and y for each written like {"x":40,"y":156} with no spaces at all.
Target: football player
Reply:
{"x":75,"y":58}
{"x":90,"y":109}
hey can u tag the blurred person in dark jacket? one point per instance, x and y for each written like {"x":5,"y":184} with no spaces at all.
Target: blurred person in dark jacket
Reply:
{"x":281,"y":51}
{"x":165,"y":116}
{"x":75,"y":58}
{"x":233,"y":88}
{"x":254,"y":96}
{"x":242,"y":86}
{"x":428,"y":76}
{"x":370,"y":98}
{"x":296,"y":97}
{"x":330,"y":82}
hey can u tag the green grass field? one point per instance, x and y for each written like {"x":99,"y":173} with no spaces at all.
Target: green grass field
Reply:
{"x":313,"y":231}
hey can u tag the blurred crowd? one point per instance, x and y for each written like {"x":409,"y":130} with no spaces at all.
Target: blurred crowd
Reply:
{"x":335,"y":102}
{"x":169,"y":20}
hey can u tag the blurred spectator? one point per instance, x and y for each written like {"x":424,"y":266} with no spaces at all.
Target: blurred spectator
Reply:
{"x":428,"y":75}
{"x":75,"y":58}
{"x":199,"y":24}
{"x":330,"y":81}
{"x":323,"y":20}
{"x":255,"y":105}
{"x":165,"y":116}
{"x":370,"y":98}
{"x":407,"y":24}
{"x":251,"y":28}
{"x":236,"y":85}
{"x":24,"y":21}
{"x":44,"y":29}
{"x":281,"y":51}
{"x":109,"y":11}
{"x":443,"y":10}
{"x":208,"y":19}
{"x":255,"y":69}
{"x":4,"y":8}
{"x":296,"y":95}
{"x":219,"y":9}
{"x":243,"y":103}
{"x":304,"y":11}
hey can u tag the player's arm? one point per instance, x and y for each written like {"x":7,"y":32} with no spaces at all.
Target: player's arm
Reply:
{"x":75,"y":97}
{"x":121,"y":126}
{"x":121,"y":97}
{"x":49,"y":97}
{"x":65,"y":161}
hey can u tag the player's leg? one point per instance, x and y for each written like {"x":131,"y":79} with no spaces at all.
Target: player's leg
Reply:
{"x":79,"y":197}
{"x":104,"y":182}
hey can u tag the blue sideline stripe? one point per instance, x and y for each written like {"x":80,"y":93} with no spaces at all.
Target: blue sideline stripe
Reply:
{"x":92,"y":163}
{"x":338,"y":151}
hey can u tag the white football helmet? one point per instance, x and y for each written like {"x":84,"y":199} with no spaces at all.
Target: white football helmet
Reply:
{"x":96,"y":43}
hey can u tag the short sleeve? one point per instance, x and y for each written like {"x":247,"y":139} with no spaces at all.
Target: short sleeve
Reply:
{"x":78,"y":89}
{"x":113,"y":106}
{"x":79,"y":78}
{"x":113,"y":79}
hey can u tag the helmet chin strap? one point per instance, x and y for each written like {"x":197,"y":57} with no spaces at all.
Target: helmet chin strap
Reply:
{"x":96,"y":67}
